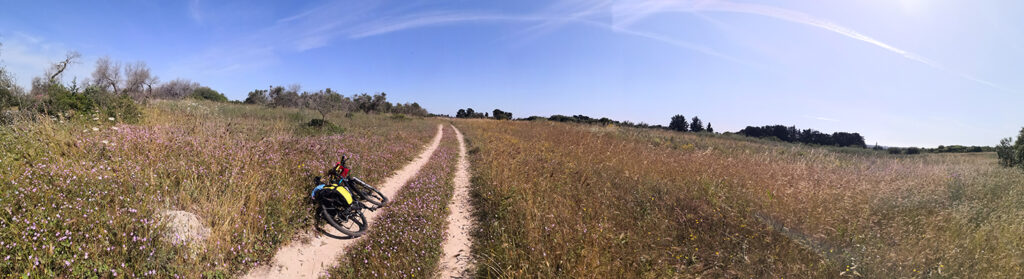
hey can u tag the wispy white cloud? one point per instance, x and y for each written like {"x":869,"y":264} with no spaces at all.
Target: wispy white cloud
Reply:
{"x":297,"y":16}
{"x":385,"y":26}
{"x":319,"y":26}
{"x":542,"y":22}
{"x":631,"y":11}
{"x":194,"y":11}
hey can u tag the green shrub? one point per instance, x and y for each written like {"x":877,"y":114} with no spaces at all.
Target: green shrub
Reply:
{"x":7,"y":98}
{"x":62,"y":101}
{"x":205,"y":93}
{"x":66,"y":103}
{"x":319,"y":127}
{"x":1010,"y":152}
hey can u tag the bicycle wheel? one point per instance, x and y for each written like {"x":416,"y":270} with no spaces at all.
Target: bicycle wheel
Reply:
{"x":349,"y":221}
{"x":370,"y":194}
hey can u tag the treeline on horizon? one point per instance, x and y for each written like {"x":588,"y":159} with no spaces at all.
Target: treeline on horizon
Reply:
{"x":115,"y":88}
{"x":808,"y":136}
{"x":326,"y":101}
{"x":695,"y":124}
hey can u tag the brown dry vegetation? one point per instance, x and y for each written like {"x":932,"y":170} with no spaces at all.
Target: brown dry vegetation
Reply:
{"x":78,"y":197}
{"x":405,"y":242}
{"x":560,"y":200}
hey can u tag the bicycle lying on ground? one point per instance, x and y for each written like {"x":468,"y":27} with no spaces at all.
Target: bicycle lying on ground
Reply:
{"x":342,"y":198}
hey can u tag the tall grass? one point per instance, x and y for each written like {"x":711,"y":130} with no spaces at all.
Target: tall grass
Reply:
{"x":79,"y":198}
{"x":405,"y":242}
{"x":558,"y":200}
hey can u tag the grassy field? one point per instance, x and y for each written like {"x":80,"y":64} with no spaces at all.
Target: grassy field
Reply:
{"x":79,"y":196}
{"x":406,"y":241}
{"x":557,"y":200}
{"x":552,"y":200}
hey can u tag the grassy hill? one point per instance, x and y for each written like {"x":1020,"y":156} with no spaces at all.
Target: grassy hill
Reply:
{"x":554,"y":200}
{"x":80,"y":196}
{"x":559,"y":200}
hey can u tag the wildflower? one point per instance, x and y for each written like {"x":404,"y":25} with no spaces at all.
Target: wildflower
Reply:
{"x":94,"y":129}
{"x":110,"y":118}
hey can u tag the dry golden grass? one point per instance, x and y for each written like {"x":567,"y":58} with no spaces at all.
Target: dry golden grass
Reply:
{"x":560,"y":200}
{"x":405,"y":242}
{"x":79,"y":197}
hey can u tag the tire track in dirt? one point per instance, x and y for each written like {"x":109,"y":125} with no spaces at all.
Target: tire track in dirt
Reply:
{"x":312,"y":256}
{"x":456,"y":256}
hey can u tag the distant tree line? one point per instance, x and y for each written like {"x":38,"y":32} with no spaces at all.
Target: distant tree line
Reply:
{"x":959,"y":149}
{"x":502,"y":115}
{"x":808,"y":136}
{"x":112,"y":90}
{"x":678,"y":123}
{"x":904,"y":150}
{"x":497,"y":114}
{"x":326,"y":101}
{"x":470,"y":113}
{"x":1010,"y":152}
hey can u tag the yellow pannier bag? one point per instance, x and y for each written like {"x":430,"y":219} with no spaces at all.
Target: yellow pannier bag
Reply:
{"x":341,"y":190}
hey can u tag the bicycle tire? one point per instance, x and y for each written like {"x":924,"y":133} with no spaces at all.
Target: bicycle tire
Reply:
{"x":332,"y":217}
{"x":370,"y":194}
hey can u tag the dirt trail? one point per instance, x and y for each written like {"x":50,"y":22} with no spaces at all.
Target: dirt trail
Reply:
{"x":456,"y":257}
{"x":310,"y":259}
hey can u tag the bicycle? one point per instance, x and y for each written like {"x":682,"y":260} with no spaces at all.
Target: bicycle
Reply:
{"x":342,"y":204}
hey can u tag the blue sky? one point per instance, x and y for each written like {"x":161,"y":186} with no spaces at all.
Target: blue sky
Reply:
{"x":900,"y":72}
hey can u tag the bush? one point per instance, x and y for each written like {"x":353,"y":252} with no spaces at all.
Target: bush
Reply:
{"x":7,"y":98}
{"x":319,"y":127}
{"x":108,"y":104}
{"x":64,"y":102}
{"x":1011,"y":155}
{"x":205,"y":93}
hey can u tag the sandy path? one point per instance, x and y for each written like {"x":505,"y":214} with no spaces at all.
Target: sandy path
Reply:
{"x":312,"y":258}
{"x":456,"y":259}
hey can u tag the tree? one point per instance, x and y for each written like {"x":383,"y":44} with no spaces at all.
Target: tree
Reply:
{"x":1005,"y":152}
{"x":107,"y":75}
{"x":913,"y":150}
{"x":678,"y":123}
{"x":410,"y":109}
{"x":175,"y":89}
{"x":696,"y":125}
{"x":205,"y":93}
{"x":281,"y":97}
{"x":380,"y":103}
{"x":57,"y":69}
{"x":809,"y":136}
{"x":324,"y":102}
{"x":257,"y":97}
{"x":138,"y":82}
{"x":1018,"y":148}
{"x":461,"y":113}
{"x":502,"y":115}
{"x":41,"y":85}
{"x":710,"y":130}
